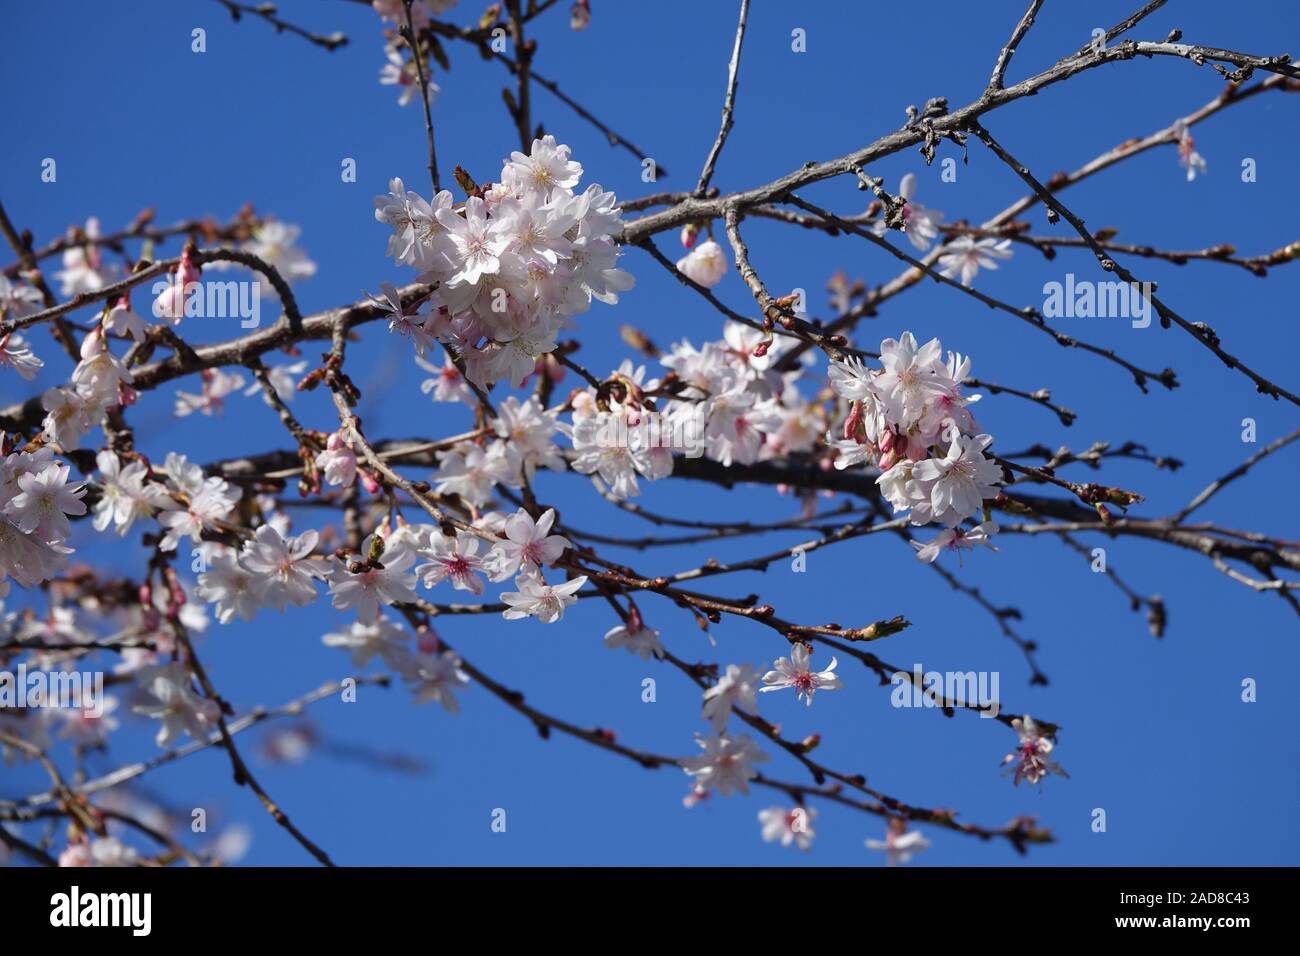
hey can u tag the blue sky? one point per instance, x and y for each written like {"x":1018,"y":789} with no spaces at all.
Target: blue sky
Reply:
{"x":1154,"y":731}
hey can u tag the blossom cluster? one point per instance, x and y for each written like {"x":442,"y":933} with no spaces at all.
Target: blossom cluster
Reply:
{"x":432,"y":673}
{"x":512,"y":264}
{"x":35,"y":501}
{"x":728,"y":401}
{"x":100,"y":382}
{"x":273,"y":569}
{"x":185,"y":501}
{"x":17,"y":301}
{"x":724,"y":399}
{"x":726,"y":764}
{"x":911,"y":420}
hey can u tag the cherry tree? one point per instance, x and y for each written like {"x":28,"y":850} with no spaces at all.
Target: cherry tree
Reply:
{"x":495,"y":273}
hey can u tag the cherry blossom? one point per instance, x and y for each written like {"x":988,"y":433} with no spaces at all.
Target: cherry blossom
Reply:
{"x":395,"y":11}
{"x":44,"y":501}
{"x":899,"y":844}
{"x":382,"y":637}
{"x":735,"y":688}
{"x":87,"y":728}
{"x":1188,"y":157}
{"x":84,"y":269}
{"x":447,"y":384}
{"x":794,"y":671}
{"x":545,"y":168}
{"x":404,"y":319}
{"x":957,"y":539}
{"x":455,"y":559}
{"x":580,"y":15}
{"x":1031,"y":757}
{"x":177,"y":705}
{"x":511,"y":264}
{"x":912,"y":377}
{"x":275,"y":243}
{"x":385,"y":581}
{"x":121,"y":320}
{"x":502,"y":272}
{"x":536,"y":598}
{"x":211,"y":504}
{"x":217,"y":384}
{"x":17,"y":355}
{"x":920,"y":224}
{"x":960,"y":481}
{"x":636,"y":638}
{"x":283,"y":567}
{"x":338,"y":461}
{"x":233,"y":588}
{"x":726,"y":764}
{"x":706,"y":264}
{"x":436,"y":677}
{"x":527,"y":544}
{"x":965,"y":256}
{"x":69,"y":415}
{"x":792,"y":826}
{"x":403,"y":73}
{"x":102,"y":851}
{"x":912,"y":421}
{"x":527,"y":429}
{"x":471,"y":471}
{"x":35,"y":499}
{"x":18,"y":300}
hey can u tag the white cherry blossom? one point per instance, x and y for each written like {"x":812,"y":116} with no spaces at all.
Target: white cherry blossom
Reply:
{"x":706,"y":264}
{"x":965,"y":257}
{"x":726,"y":765}
{"x":536,"y":598}
{"x":795,"y":671}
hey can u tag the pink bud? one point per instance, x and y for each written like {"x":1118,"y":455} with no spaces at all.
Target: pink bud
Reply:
{"x":853,"y":421}
{"x":369,"y":481}
{"x":187,"y":272}
{"x":690,"y":232}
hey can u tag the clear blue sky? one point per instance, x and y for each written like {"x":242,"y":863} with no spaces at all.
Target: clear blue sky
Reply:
{"x":1154,"y":731}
